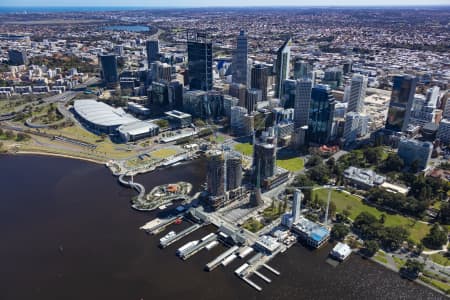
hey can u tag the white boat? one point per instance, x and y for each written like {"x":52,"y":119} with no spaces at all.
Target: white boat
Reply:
{"x":167,"y":237}
{"x":186,"y":247}
{"x":211,"y":245}
{"x":341,"y":251}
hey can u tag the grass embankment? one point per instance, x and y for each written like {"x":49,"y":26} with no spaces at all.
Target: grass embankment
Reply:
{"x":163,"y":153}
{"x":244,"y":148}
{"x":293,"y":164}
{"x":381,"y":257}
{"x":440,"y":285}
{"x":439,"y":258}
{"x":355,"y":206}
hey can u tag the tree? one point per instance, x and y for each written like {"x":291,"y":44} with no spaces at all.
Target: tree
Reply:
{"x":346,"y":213}
{"x":373,"y":155}
{"x":393,"y":163}
{"x":319,"y":174}
{"x":393,"y":237}
{"x":331,"y":162}
{"x":1,"y":131}
{"x":371,"y":247}
{"x":339,"y":231}
{"x":302,"y":180}
{"x":413,"y":267}
{"x":313,"y":161}
{"x":445,"y":213}
{"x":382,"y":218}
{"x":436,"y":238}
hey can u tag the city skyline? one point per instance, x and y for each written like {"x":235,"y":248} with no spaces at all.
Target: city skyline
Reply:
{"x":232,"y":3}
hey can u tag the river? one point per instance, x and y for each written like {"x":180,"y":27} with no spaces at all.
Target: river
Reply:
{"x":67,"y":232}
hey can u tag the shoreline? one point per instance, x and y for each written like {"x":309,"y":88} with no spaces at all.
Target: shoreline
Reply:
{"x":56,"y":155}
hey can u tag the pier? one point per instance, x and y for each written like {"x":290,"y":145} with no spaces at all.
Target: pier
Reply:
{"x":262,"y":277}
{"x":252,"y":284}
{"x":214,"y":263}
{"x":203,"y":243}
{"x":271,"y":269}
{"x":181,"y":235}
{"x":157,"y":225}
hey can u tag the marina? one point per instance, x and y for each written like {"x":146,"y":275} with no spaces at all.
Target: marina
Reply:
{"x":179,"y":235}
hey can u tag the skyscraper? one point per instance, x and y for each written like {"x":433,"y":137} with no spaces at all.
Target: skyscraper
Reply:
{"x":215,"y":174}
{"x":357,"y":93}
{"x":109,"y":71}
{"x":264,"y":160}
{"x":234,"y":171}
{"x":282,"y":66}
{"x":302,"y":70}
{"x":253,"y":96}
{"x":400,"y":105}
{"x":153,"y":54}
{"x":200,"y":62}
{"x":17,"y":57}
{"x":321,"y":113}
{"x":240,"y":57}
{"x":302,"y":102}
{"x":259,"y":77}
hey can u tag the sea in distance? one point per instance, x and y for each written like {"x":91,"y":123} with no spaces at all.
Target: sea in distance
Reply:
{"x":68,"y":232}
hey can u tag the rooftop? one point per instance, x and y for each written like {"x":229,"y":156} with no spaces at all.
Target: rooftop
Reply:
{"x":102,"y":114}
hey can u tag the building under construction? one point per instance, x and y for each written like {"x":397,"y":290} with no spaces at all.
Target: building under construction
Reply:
{"x":224,"y":177}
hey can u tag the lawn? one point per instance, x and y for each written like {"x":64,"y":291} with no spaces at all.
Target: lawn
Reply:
{"x":381,"y":257}
{"x":252,"y":225}
{"x":439,"y":258}
{"x":294,"y":164}
{"x":163,"y":153}
{"x":244,"y":148}
{"x":398,"y":261}
{"x":436,"y":283}
{"x":355,"y":205}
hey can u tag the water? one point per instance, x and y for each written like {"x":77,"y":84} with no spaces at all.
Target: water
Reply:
{"x":131,"y":28}
{"x":80,"y":208}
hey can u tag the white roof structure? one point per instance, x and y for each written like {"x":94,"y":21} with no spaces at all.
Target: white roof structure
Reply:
{"x":137,"y":128}
{"x":102,"y":114}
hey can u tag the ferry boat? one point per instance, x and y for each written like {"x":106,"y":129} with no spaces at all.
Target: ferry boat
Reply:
{"x":341,"y":251}
{"x":167,"y":237}
{"x":187,"y":246}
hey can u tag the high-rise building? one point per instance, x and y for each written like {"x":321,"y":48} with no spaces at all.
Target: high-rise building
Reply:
{"x":228,"y":103}
{"x":357,"y":93}
{"x":264,"y":162}
{"x":302,"y":70}
{"x":321,"y":111}
{"x":234,"y":171}
{"x":287,"y":97}
{"x":403,"y":90}
{"x":443,"y":133}
{"x":200,"y":59}
{"x":239,"y":91}
{"x":161,"y":71}
{"x":414,"y":151}
{"x":153,"y":53}
{"x":333,"y":77}
{"x":347,"y":66}
{"x":119,"y":50}
{"x":424,"y":109}
{"x":17,"y":57}
{"x":237,"y":120}
{"x":240,"y":58}
{"x":215,"y":174}
{"x":302,"y":102}
{"x":253,"y":96}
{"x":259,"y":77}
{"x":356,"y":125}
{"x":109,"y":71}
{"x":282,"y":66}
{"x":176,"y":95}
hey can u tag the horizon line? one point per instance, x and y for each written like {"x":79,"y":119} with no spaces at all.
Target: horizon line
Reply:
{"x":231,"y":6}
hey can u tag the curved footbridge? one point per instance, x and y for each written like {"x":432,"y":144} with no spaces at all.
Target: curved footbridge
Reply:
{"x":134,"y":185}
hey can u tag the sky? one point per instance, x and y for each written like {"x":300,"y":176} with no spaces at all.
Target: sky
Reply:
{"x":204,"y":3}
